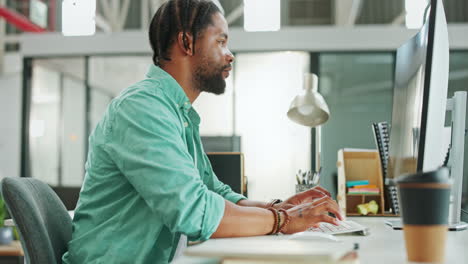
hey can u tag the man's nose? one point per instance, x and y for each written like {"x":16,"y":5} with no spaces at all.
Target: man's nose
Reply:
{"x":230,"y":56}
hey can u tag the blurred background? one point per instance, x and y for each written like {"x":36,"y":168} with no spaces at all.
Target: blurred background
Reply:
{"x":55,"y":88}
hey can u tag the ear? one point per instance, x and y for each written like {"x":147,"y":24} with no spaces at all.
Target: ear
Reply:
{"x":185,"y":43}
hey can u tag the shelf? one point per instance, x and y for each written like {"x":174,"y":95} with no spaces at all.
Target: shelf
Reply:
{"x":359,"y":165}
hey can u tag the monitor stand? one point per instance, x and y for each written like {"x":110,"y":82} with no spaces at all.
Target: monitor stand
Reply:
{"x":397,"y":225}
{"x":457,"y":106}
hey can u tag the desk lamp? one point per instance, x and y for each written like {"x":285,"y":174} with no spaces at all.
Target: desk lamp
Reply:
{"x":310,"y":109}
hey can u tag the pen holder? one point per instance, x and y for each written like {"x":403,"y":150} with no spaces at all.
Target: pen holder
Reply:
{"x":303,"y":187}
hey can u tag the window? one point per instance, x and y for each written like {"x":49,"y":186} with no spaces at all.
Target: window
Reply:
{"x":358,"y":88}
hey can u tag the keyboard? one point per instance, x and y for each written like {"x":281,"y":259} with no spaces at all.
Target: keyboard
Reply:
{"x":343,"y":228}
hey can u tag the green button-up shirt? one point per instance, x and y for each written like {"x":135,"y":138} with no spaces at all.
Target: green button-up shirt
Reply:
{"x":147,"y":179}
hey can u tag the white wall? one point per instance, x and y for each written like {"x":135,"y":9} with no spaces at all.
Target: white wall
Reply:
{"x":274,"y":147}
{"x":216,"y":112}
{"x":10,"y":116}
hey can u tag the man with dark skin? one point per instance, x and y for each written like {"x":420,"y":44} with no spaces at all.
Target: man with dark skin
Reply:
{"x":148,"y":181}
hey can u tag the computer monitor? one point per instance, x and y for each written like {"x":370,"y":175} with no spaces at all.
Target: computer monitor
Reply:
{"x":229,"y":168}
{"x":420,"y":97}
{"x":418,"y":141}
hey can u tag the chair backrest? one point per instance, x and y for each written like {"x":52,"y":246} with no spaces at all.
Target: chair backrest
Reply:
{"x":43,"y":223}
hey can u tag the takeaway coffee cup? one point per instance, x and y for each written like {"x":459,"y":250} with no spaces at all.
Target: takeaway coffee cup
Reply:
{"x":425,"y":200}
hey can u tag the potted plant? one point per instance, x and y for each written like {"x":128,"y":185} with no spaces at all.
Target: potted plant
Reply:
{"x":6,"y":233}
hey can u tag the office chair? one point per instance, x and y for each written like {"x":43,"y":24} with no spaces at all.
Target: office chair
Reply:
{"x":44,"y":224}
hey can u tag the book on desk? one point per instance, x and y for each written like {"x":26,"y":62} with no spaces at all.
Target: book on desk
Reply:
{"x":277,"y":250}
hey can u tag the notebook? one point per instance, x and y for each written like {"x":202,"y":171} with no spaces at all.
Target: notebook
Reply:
{"x":382,"y":139}
{"x":271,"y":249}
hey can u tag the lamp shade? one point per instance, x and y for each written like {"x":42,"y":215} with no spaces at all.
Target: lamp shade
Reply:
{"x":309,"y":108}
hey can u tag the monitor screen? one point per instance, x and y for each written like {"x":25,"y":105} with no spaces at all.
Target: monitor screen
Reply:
{"x":407,"y":105}
{"x":420,"y":96}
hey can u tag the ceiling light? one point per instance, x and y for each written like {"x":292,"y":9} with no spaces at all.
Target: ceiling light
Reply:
{"x":262,"y":15}
{"x":415,"y":12}
{"x":78,"y":17}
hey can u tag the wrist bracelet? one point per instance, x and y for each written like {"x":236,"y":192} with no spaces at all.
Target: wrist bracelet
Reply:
{"x":286,"y":220}
{"x":276,"y":221}
{"x":279,"y":222}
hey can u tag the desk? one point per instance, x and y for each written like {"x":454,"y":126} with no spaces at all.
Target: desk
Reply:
{"x":11,"y":254}
{"x":383,"y":245}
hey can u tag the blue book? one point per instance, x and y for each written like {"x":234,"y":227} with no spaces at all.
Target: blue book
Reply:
{"x":355,"y":183}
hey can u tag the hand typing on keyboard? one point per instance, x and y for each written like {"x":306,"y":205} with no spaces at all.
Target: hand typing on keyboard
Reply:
{"x":306,"y":215}
{"x":307,"y":196}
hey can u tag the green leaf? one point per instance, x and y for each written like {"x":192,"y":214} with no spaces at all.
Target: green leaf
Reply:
{"x":2,"y":212}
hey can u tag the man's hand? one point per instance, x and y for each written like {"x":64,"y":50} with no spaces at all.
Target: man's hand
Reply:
{"x":307,"y":215}
{"x":303,"y":197}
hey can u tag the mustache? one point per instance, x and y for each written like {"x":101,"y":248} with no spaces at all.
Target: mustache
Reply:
{"x":227,"y":66}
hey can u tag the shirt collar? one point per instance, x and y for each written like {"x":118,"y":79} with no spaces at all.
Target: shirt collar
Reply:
{"x":174,"y":90}
{"x":193,"y":115}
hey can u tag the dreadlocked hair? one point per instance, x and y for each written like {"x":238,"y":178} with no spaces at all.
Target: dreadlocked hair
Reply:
{"x":174,"y":16}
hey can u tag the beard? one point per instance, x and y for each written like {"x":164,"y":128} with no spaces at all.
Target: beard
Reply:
{"x":209,"y":78}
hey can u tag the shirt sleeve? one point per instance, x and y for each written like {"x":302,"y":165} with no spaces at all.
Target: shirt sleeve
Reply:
{"x":146,"y":143}
{"x":219,"y":187}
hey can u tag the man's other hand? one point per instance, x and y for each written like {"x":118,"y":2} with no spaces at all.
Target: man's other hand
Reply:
{"x":308,"y":196}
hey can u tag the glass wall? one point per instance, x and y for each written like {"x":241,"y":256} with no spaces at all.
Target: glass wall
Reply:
{"x":44,"y":124}
{"x":358,"y":88}
{"x":74,"y":138}
{"x":64,"y":90}
{"x":108,"y":76}
{"x":57,"y":121}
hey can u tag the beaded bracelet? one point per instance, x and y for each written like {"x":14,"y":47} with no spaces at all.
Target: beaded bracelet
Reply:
{"x":286,"y":220}
{"x":276,"y":219}
{"x":279,"y":222}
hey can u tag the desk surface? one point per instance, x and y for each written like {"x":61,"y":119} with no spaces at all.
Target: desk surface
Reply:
{"x":383,"y":245}
{"x":14,"y":249}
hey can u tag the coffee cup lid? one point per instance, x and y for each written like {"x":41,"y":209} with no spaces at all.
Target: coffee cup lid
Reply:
{"x":440,"y":175}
